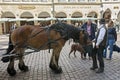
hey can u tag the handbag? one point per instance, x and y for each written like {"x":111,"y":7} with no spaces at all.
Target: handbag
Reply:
{"x":116,"y":48}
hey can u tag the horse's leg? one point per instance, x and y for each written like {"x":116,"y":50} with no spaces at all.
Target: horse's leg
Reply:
{"x":74,"y":53}
{"x":70,"y":52}
{"x":10,"y":68}
{"x":54,"y":60}
{"x":10,"y":48}
{"x":82,"y":55}
{"x":21,"y":64}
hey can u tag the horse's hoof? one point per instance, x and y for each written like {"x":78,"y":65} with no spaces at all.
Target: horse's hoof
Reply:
{"x":51,"y":67}
{"x":23,"y":68}
{"x":5,"y":59}
{"x":11,"y":72}
{"x":59,"y":70}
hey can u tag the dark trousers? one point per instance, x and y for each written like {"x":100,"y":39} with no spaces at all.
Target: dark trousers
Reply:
{"x":88,"y":49}
{"x":98,"y":54}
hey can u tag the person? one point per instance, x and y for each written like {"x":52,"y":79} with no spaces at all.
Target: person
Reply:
{"x":91,"y":29}
{"x":117,"y":26}
{"x":14,"y":27}
{"x":100,"y":43}
{"x":112,"y":37}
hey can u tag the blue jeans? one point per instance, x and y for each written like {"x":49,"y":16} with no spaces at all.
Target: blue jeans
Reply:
{"x":110,"y":44}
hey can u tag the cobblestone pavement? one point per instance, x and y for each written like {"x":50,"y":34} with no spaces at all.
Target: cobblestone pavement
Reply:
{"x":73,"y":68}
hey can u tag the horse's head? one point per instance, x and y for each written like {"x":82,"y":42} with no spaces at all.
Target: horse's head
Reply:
{"x":84,"y":38}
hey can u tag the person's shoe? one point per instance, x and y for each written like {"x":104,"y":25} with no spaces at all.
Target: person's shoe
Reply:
{"x":84,"y":58}
{"x":108,"y":58}
{"x":93,"y":68}
{"x":90,"y":58}
{"x":100,"y":70}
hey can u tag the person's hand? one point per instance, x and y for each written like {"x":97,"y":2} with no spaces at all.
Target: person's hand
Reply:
{"x":97,"y":46}
{"x":93,"y":40}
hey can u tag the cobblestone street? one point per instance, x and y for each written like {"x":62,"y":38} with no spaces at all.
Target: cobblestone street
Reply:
{"x":74,"y":68}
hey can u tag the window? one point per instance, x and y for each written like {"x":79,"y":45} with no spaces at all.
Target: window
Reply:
{"x":106,"y":0}
{"x":25,"y":0}
{"x":34,"y":0}
{"x":15,"y":0}
{"x":43,"y":0}
{"x":81,"y":0}
{"x":115,"y":0}
{"x":91,"y":0}
{"x":71,"y":0}
{"x":6,"y":0}
{"x":61,"y":0}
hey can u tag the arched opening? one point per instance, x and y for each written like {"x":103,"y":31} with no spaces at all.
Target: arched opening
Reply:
{"x":77,"y":15}
{"x":6,"y":26}
{"x":44,"y":15}
{"x":61,"y":15}
{"x":27,"y":15}
{"x":93,"y":14}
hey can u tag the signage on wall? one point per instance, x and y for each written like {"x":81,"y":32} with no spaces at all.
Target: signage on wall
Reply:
{"x":26,"y":7}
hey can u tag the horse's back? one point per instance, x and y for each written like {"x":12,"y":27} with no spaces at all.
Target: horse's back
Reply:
{"x":23,"y":32}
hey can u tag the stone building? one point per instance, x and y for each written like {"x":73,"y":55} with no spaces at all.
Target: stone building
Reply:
{"x":32,"y":9}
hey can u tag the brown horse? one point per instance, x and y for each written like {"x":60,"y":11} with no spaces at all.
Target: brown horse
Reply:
{"x":53,"y":37}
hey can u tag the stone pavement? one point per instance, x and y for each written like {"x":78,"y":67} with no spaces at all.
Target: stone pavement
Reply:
{"x":73,"y":68}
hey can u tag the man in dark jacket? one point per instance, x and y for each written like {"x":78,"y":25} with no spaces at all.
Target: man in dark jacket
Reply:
{"x":91,"y":29}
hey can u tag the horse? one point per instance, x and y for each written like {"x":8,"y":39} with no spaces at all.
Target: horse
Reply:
{"x":41,"y":38}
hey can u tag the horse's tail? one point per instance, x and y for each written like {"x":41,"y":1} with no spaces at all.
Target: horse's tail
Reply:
{"x":9,"y":49}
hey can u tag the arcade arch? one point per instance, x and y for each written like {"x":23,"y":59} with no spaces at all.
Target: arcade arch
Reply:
{"x":60,"y":15}
{"x":26,"y":15}
{"x":6,"y":26}
{"x":77,"y":15}
{"x":93,"y":14}
{"x":44,"y":15}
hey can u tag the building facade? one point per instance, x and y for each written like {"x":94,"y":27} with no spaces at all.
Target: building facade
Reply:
{"x":55,"y":8}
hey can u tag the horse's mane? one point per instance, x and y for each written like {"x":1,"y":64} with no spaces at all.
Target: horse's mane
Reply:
{"x":66,"y":29}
